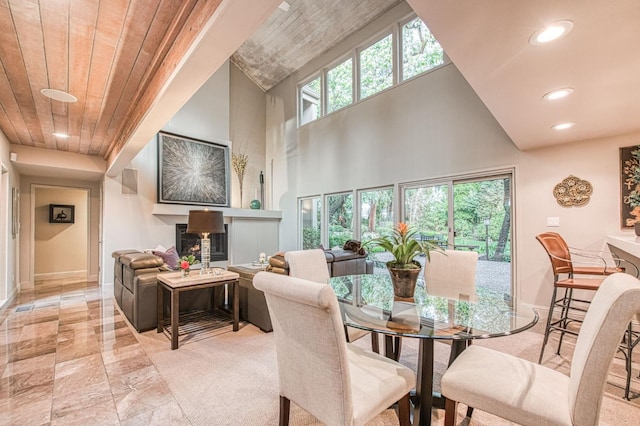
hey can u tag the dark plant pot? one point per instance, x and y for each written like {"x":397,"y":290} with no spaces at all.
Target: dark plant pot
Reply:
{"x":404,"y":281}
{"x":636,"y":227}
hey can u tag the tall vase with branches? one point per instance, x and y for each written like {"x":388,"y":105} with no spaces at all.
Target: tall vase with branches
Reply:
{"x":239,"y":162}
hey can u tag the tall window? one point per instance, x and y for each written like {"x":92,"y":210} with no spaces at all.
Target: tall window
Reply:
{"x":420,"y":49}
{"x":340,"y":218}
{"x":332,"y":89}
{"x":310,"y":106}
{"x":310,"y":222}
{"x":376,"y":213}
{"x":340,"y":86}
{"x":376,"y":67}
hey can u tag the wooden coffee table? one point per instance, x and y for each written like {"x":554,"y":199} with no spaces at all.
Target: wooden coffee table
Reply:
{"x":175,"y":283}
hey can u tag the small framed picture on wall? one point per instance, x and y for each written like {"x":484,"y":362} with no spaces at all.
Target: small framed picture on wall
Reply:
{"x":61,"y":213}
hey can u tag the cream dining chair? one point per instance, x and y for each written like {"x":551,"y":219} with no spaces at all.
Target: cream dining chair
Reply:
{"x":312,"y":265}
{"x":335,"y":381}
{"x":530,"y":394}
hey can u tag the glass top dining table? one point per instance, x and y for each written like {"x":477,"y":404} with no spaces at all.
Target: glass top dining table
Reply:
{"x":367,"y":302}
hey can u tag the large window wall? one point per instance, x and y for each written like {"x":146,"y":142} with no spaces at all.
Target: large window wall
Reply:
{"x":471,"y":212}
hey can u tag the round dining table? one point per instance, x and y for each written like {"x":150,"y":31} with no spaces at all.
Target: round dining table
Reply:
{"x":367,"y":302}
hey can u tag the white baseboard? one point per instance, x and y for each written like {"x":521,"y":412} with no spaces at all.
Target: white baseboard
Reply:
{"x":59,"y":275}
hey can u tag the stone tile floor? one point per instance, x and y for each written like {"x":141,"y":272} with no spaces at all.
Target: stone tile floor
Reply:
{"x":68,"y":357}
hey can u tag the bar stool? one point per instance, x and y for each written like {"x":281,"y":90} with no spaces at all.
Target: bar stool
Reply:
{"x":562,"y":265}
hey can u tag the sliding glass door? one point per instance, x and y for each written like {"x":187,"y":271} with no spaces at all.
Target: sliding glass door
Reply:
{"x":467,"y":214}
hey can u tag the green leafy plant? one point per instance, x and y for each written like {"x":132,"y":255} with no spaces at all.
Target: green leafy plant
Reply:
{"x":404,"y":247}
{"x":187,"y":261}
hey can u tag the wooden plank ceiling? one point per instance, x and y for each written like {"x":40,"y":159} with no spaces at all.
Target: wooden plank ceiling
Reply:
{"x":113,"y":56}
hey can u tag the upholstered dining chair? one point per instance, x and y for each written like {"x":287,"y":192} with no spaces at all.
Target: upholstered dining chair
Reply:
{"x":530,"y":394}
{"x":312,"y":265}
{"x":335,"y":381}
{"x":452,"y":274}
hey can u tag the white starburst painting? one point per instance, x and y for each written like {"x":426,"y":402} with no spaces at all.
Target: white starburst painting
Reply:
{"x":191,"y":171}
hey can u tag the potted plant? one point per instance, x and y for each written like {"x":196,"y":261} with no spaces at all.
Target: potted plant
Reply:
{"x":405,"y":247}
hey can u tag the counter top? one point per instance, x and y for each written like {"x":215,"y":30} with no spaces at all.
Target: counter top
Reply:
{"x":628,"y":242}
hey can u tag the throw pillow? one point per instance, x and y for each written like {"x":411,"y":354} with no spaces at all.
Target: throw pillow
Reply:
{"x":170,"y":257}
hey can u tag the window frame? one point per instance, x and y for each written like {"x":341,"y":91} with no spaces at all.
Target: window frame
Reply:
{"x":395,"y":29}
{"x":301,"y":97}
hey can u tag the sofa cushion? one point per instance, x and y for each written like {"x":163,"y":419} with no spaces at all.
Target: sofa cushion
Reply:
{"x":141,"y":261}
{"x":170,"y":257}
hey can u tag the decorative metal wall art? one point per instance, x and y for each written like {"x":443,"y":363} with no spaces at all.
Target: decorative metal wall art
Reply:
{"x":630,"y":186}
{"x":192,"y":171}
{"x":573,"y":192}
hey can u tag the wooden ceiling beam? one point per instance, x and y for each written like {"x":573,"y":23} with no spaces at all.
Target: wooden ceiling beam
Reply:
{"x":187,"y":34}
{"x":168,"y":21}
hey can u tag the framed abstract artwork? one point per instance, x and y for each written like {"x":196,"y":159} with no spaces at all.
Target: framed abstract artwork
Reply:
{"x":192,"y":171}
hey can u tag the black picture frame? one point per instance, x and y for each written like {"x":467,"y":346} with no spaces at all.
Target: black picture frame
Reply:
{"x":62,"y":213}
{"x":192,"y":171}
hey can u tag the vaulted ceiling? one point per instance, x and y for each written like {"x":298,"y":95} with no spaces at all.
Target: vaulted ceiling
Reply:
{"x":121,"y":58}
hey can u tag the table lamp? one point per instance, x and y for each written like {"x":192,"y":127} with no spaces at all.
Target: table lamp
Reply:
{"x":205,"y":222}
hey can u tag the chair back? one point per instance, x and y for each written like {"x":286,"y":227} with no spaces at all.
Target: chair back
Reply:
{"x":308,"y":264}
{"x":612,"y":308}
{"x":452,"y":274}
{"x":310,"y":346}
{"x":558,"y":251}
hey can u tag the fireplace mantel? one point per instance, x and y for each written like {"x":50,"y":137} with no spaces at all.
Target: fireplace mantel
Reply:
{"x":183,"y":210}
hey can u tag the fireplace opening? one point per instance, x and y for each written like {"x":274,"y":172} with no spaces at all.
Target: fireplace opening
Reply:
{"x":187,"y":244}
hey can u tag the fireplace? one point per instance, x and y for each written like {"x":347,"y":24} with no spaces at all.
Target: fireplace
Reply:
{"x":190,"y":244}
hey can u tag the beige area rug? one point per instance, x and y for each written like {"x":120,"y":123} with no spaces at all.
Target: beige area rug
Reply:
{"x":231,"y":378}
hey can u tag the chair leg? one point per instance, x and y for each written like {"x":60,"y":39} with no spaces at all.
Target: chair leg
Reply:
{"x":629,"y":351}
{"x":285,"y":406}
{"x":450,"y":409}
{"x":375,"y":342}
{"x":564,"y":315}
{"x":404,"y":411}
{"x":548,"y":326}
{"x":392,"y":347}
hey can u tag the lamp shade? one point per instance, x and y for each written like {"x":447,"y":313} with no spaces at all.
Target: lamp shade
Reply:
{"x":205,"y":221}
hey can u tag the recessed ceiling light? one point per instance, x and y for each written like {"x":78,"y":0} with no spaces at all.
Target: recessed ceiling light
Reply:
{"x":58,"y":95}
{"x":563,"y":126}
{"x":551,"y":32}
{"x":60,"y":135}
{"x":558,"y":93}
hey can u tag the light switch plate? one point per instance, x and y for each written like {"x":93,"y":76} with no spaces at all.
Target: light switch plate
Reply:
{"x":553,"y":221}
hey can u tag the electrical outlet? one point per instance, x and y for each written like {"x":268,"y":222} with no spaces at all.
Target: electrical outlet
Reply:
{"x":553,"y":221}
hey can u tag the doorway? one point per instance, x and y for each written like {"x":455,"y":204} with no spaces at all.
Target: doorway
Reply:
{"x":468,"y":213}
{"x":60,"y":246}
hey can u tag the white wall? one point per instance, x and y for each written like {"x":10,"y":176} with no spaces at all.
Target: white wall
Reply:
{"x":128,"y":221}
{"x":436,"y":126}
